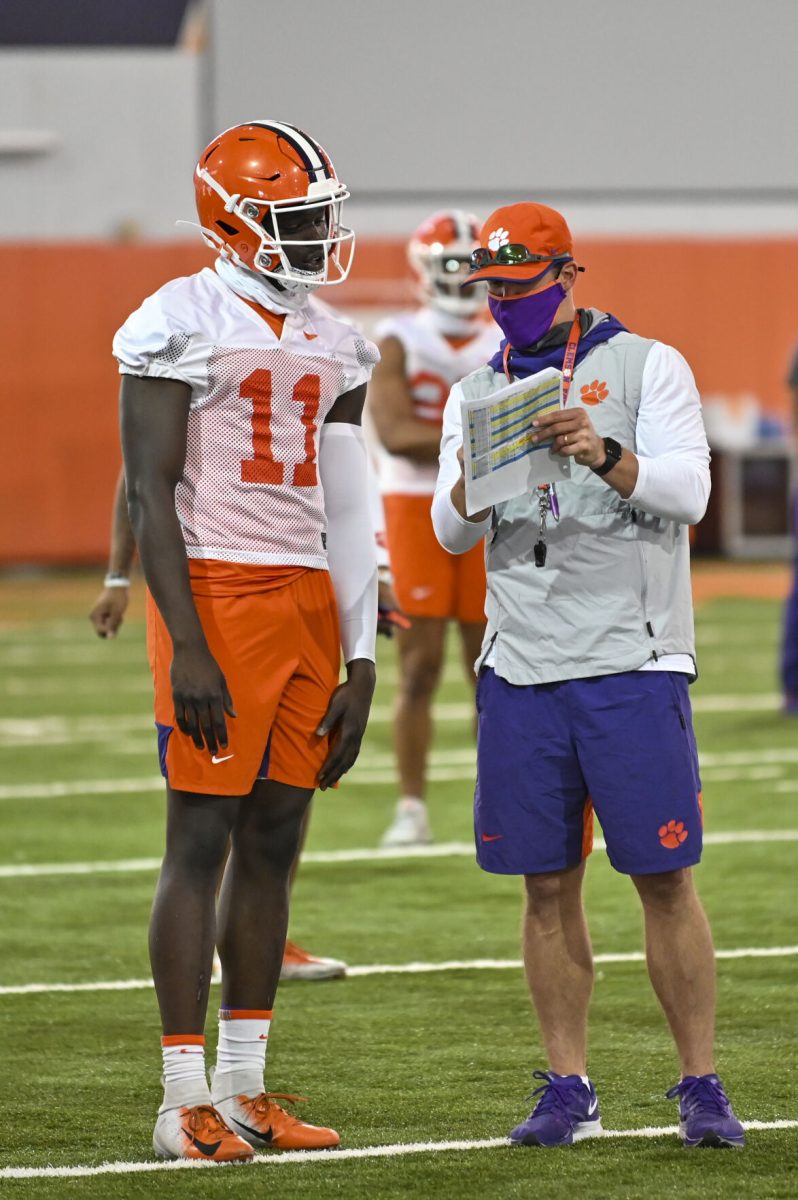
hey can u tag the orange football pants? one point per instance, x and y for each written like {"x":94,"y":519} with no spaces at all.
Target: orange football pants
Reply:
{"x":428,"y":581}
{"x":274,"y":633}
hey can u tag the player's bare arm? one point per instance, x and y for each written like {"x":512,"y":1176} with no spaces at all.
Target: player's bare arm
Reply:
{"x":348,"y":712}
{"x":110,"y":606}
{"x":391,"y":407}
{"x":154,"y":417}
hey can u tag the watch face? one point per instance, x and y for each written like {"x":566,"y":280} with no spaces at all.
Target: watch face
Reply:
{"x":613,"y":449}
{"x":613,"y":452}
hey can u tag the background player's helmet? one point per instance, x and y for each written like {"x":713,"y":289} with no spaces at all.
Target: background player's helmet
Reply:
{"x":254,"y":175}
{"x":440,"y":252}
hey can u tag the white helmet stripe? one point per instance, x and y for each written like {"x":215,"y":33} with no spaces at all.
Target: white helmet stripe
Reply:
{"x":463,"y":225}
{"x":308,"y":150}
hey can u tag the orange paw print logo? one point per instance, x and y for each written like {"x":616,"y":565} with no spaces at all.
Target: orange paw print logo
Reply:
{"x":672,"y":835}
{"x":594,"y":393}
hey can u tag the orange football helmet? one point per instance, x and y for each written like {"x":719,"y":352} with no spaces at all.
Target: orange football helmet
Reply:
{"x":249,"y":179}
{"x":440,"y":253}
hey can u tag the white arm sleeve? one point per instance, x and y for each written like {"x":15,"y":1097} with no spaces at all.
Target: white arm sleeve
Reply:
{"x":672,"y":449}
{"x":350,"y":536}
{"x":455,"y":533}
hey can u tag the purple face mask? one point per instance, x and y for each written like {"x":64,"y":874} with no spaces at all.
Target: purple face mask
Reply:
{"x":526,"y":319}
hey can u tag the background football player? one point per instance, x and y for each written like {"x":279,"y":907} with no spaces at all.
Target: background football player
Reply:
{"x":422,"y":354}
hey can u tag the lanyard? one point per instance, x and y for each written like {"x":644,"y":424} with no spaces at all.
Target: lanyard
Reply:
{"x":547,"y":494}
{"x":569,"y":359}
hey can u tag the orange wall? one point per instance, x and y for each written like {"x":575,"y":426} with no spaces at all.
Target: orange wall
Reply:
{"x":729,"y":306}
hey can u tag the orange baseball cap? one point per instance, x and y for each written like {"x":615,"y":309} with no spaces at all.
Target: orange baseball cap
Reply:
{"x":536,"y":228}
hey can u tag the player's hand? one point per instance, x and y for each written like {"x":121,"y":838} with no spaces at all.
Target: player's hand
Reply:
{"x":389,"y":615}
{"x":573,"y":434}
{"x":345,"y":720}
{"x":201,"y":698}
{"x":109,"y":610}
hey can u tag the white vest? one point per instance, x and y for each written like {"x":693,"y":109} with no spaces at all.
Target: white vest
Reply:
{"x":615,"y":590}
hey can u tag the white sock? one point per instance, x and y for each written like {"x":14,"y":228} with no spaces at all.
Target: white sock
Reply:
{"x":185,"y":1083}
{"x":241,"y":1053}
{"x":411,"y":804}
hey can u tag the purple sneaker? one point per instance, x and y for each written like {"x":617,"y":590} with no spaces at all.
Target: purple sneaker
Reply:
{"x":706,"y":1117}
{"x":566,"y":1112}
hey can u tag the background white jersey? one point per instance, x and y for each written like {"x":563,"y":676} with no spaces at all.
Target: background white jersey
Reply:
{"x":432,"y":365}
{"x":250,"y":490}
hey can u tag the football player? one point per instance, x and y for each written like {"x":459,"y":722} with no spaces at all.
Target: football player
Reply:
{"x":107,"y":615}
{"x":241,"y":404}
{"x":422,"y":354}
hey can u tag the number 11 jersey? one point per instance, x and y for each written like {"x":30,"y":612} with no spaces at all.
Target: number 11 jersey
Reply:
{"x":250,"y":491}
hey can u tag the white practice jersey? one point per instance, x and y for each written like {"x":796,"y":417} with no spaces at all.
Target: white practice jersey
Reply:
{"x":433,"y":365}
{"x":250,"y":490}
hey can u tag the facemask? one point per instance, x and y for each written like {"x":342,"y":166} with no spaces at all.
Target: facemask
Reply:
{"x":525,"y":319}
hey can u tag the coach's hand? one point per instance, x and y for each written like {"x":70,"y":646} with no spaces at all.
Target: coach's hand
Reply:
{"x":573,"y":434}
{"x":345,"y":720}
{"x":201,"y":698}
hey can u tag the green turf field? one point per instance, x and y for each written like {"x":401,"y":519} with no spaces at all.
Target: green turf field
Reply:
{"x":389,"y":1058}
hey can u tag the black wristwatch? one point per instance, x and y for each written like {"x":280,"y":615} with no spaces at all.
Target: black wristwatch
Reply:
{"x":613,"y":450}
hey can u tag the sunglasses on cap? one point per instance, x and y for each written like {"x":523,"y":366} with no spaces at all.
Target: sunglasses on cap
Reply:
{"x":511,"y":255}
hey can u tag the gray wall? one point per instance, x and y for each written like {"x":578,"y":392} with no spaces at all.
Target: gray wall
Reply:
{"x":124,"y":136}
{"x":677,"y":116}
{"x":581,"y":98}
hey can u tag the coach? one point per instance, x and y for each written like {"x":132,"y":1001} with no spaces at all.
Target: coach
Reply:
{"x":583,"y":677}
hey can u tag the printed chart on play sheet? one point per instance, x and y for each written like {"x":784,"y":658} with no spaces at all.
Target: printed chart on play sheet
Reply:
{"x":501,"y":461}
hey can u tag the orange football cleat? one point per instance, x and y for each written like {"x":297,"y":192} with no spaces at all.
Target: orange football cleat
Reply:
{"x":198,"y":1132}
{"x":265,"y":1125}
{"x":298,"y":964}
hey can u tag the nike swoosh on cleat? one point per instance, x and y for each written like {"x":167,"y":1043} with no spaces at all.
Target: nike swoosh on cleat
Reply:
{"x":592,"y":1106}
{"x":208,"y":1148}
{"x":492,"y":837}
{"x":310,"y":336}
{"x":216,"y":759}
{"x":263,"y":1137}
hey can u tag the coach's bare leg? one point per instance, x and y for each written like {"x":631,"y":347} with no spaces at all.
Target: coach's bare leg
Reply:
{"x":183,"y":922}
{"x":559,"y":965}
{"x":253,"y":902}
{"x":681,"y":964}
{"x":420,"y":661}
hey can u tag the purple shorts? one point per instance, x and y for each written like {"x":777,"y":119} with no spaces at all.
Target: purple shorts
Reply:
{"x":550,"y":754}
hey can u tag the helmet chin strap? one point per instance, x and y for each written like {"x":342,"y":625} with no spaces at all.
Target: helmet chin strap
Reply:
{"x":293,"y":287}
{"x":288,"y":298}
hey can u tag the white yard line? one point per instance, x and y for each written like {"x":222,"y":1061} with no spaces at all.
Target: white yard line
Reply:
{"x":24,"y":685}
{"x":411,"y":968}
{"x":452,"y":766}
{"x":362,"y":854}
{"x":745,"y":702}
{"x":328,"y":1157}
{"x":55,"y":730}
